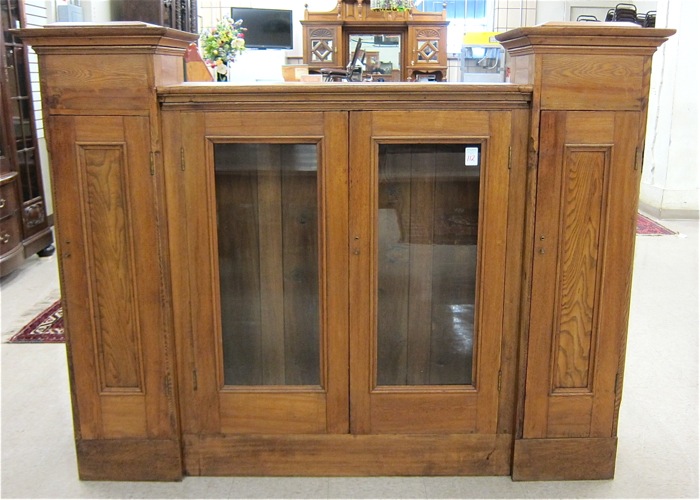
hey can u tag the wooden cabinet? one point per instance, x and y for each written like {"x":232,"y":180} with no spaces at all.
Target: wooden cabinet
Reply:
{"x":25,"y":228}
{"x":292,"y":332}
{"x":407,"y":45}
{"x":106,"y":163}
{"x":590,"y":132}
{"x":323,"y":45}
{"x":361,"y":279}
{"x":178,"y":14}
{"x":427,"y":51}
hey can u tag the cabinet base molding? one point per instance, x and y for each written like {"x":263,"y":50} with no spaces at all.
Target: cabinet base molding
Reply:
{"x":348,"y":455}
{"x":129,"y":460}
{"x":564,"y":459}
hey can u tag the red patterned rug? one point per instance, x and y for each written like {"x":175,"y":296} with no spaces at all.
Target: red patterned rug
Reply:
{"x":46,"y":328}
{"x":646,"y":226}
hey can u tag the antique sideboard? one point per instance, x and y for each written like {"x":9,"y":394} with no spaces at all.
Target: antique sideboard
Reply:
{"x":346,"y":279}
{"x":397,"y":46}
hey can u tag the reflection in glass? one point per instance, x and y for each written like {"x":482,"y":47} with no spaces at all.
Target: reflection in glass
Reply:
{"x":267,"y":213}
{"x":380,"y":57}
{"x":427,"y":251}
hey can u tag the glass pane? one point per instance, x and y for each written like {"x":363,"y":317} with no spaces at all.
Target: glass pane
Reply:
{"x":28,"y":171}
{"x":267,"y":214}
{"x":21,"y":71}
{"x":427,"y":245}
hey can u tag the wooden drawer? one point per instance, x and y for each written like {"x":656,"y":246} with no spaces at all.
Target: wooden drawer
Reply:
{"x":8,"y":200}
{"x":9,"y":234}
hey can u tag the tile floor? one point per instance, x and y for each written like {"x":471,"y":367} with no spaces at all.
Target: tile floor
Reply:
{"x":658,"y":434}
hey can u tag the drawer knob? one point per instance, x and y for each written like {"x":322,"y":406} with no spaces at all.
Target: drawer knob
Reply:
{"x":3,"y":202}
{"x":5,"y":238}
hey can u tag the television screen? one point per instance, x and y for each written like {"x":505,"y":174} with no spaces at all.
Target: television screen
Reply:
{"x":267,"y":28}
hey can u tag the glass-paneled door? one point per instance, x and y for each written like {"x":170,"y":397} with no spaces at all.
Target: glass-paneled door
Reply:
{"x":428,"y":222}
{"x":351,"y":286}
{"x":266,"y":202}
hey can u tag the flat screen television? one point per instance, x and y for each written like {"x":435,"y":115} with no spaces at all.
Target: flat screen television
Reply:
{"x":267,"y":28}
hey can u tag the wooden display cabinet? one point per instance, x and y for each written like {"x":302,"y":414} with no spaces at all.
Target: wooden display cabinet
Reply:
{"x":346,"y":279}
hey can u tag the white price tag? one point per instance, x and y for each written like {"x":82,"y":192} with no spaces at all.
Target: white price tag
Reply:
{"x":471,"y":157}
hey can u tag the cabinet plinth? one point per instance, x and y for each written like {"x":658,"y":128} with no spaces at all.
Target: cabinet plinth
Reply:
{"x":299,"y":279}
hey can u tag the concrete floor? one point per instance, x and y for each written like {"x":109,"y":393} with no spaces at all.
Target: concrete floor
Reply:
{"x":658,"y":433}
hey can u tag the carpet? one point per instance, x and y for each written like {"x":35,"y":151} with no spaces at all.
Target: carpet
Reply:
{"x":46,"y":328}
{"x":646,"y":226}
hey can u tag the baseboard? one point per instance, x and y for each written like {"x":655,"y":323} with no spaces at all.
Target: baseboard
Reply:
{"x":129,"y":460}
{"x":668,"y":214}
{"x":562,"y":459}
{"x":348,"y":455}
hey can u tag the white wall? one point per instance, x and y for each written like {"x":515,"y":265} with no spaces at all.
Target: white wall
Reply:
{"x":670,"y":177}
{"x":669,"y":186}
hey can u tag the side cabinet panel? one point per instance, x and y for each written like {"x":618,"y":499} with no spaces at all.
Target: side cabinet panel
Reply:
{"x":577,"y":333}
{"x":115,"y":309}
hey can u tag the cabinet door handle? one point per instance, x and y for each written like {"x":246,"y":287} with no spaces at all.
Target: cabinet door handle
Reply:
{"x":3,"y":202}
{"x":5,"y":238}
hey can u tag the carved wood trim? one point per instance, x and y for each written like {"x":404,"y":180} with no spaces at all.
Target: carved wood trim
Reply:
{"x":321,"y":33}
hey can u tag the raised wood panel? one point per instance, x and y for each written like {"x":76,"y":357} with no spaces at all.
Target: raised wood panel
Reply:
{"x":615,"y":81}
{"x":109,"y":249}
{"x":582,"y":223}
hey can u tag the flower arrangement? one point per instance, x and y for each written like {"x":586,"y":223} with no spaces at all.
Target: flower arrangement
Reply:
{"x":392,"y":5}
{"x":222,"y":43}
